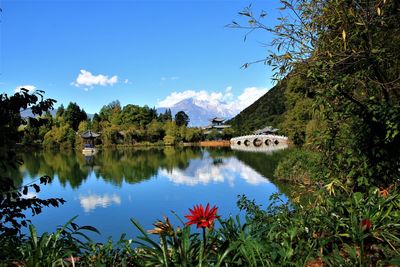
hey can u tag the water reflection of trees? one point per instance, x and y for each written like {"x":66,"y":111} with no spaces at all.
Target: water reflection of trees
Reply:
{"x":135,"y":165}
{"x":113,"y":166}
{"x":68,"y":166}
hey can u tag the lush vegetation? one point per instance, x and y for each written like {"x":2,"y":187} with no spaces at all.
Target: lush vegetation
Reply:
{"x":127,"y":126}
{"x":341,"y":63}
{"x":124,"y":126}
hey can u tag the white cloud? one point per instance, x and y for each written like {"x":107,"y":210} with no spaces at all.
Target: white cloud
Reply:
{"x":86,"y":78}
{"x":228,"y":96}
{"x":249,"y":96}
{"x":90,"y":202}
{"x":225,"y":99}
{"x":176,"y":97}
{"x":30,"y":88}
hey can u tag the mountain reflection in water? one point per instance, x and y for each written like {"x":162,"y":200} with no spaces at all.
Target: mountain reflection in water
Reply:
{"x":203,"y":171}
{"x":106,"y":190}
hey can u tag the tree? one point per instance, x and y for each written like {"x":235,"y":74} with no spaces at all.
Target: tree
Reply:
{"x":74,"y":115}
{"x":181,"y":118}
{"x":12,"y":202}
{"x":155,"y":131}
{"x":60,"y":111}
{"x":36,"y":128}
{"x":166,"y":116}
{"x":96,"y":118}
{"x":133,"y":135}
{"x":96,"y":122}
{"x":107,"y":111}
{"x":62,"y":136}
{"x":111,"y":135}
{"x":228,"y":133}
{"x":191,"y":134}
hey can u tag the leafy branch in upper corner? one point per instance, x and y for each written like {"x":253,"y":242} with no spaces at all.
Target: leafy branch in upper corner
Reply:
{"x":293,"y":42}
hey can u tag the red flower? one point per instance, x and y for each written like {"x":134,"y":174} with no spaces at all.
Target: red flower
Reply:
{"x":203,"y":218}
{"x":366,"y":224}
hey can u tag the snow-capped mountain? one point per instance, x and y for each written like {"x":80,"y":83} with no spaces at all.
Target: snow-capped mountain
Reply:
{"x":200,"y":112}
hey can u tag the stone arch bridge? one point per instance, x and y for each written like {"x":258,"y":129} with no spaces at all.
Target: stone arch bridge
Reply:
{"x":259,"y":141}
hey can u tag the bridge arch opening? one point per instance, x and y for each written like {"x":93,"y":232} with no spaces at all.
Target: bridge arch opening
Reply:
{"x":239,"y":142}
{"x":257,"y":142}
{"x":246,"y":142}
{"x":267,"y":142}
{"x":276,"y":142}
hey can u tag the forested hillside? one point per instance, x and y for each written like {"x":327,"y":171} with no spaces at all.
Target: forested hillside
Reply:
{"x":267,"y":110}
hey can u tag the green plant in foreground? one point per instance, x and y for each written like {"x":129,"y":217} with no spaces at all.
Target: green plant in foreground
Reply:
{"x":229,"y":245}
{"x":55,"y":249}
{"x":177,"y":246}
{"x":110,"y":253}
{"x":349,"y":229}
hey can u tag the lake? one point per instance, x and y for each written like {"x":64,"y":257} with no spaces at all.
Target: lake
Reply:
{"x":109,"y":188}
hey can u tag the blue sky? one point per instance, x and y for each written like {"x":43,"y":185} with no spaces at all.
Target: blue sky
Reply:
{"x":147,"y":52}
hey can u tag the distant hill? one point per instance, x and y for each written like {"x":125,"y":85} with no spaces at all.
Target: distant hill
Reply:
{"x":199,"y":112}
{"x":266,"y":111}
{"x":28,"y":113}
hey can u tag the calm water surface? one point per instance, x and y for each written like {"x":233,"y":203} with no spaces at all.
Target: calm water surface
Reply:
{"x":111,"y":187}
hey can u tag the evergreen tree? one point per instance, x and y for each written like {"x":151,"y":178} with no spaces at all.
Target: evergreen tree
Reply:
{"x":166,"y":116}
{"x":60,"y":111}
{"x":181,"y":118}
{"x":74,"y":115}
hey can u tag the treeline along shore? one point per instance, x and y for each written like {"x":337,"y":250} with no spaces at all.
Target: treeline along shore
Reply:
{"x":130,"y":125}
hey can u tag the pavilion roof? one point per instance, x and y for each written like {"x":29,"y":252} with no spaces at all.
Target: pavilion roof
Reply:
{"x":216,"y":119}
{"x":89,"y":134}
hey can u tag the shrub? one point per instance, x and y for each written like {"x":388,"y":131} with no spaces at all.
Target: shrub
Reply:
{"x":299,"y":166}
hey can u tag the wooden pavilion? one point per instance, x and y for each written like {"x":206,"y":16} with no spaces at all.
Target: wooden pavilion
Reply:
{"x":89,"y":137}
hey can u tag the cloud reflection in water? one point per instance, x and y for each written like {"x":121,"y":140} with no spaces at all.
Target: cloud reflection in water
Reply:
{"x":204,"y":172}
{"x":93,"y":201}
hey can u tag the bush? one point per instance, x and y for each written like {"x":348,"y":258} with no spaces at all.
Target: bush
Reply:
{"x":299,"y":166}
